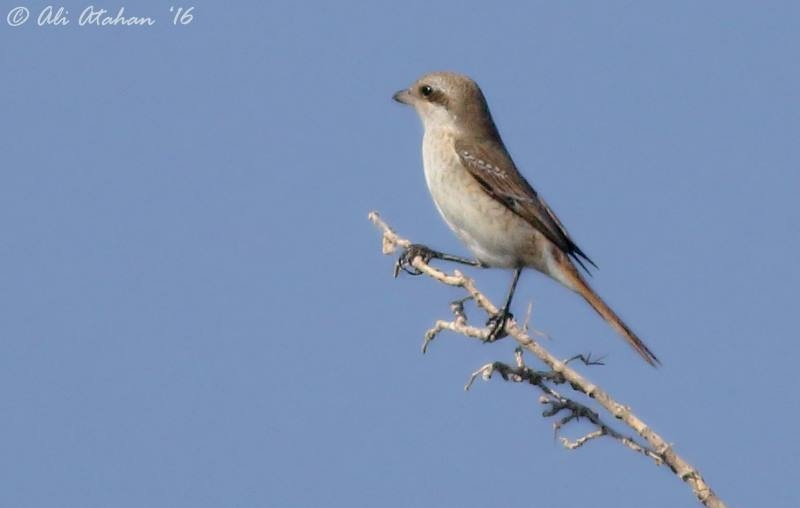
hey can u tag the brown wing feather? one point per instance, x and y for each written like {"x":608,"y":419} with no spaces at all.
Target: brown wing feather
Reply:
{"x":492,"y":167}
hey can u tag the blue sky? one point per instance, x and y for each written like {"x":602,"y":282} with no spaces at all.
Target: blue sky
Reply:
{"x":196,"y":311}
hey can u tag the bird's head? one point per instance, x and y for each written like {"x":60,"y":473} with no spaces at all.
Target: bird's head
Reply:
{"x":446,"y":100}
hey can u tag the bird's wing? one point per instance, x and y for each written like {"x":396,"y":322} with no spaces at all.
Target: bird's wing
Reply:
{"x":493,"y":168}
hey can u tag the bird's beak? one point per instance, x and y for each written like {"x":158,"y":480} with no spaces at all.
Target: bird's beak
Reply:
{"x":402,"y":97}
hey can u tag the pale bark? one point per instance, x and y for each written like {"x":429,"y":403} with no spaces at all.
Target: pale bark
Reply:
{"x":560,"y":373}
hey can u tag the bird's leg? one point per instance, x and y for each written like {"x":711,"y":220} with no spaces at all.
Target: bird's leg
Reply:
{"x":497,"y":323}
{"x":426,"y":253}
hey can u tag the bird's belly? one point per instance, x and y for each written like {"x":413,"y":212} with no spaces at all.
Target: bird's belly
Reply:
{"x":494,"y":234}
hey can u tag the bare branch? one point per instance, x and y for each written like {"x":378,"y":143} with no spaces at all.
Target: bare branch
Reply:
{"x":653,"y":445}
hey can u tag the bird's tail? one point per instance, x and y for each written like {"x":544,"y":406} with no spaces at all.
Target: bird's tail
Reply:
{"x":582,"y":288}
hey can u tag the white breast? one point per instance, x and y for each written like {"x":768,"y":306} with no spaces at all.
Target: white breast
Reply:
{"x":494,"y":234}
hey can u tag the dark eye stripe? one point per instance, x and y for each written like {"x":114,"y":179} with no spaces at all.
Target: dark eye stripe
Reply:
{"x":433,"y":95}
{"x":438,"y":97}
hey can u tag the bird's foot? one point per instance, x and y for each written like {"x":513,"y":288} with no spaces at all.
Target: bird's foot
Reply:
{"x":497,"y":325}
{"x":404,"y":262}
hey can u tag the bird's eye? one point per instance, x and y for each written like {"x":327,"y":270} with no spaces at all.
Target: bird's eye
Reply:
{"x":425,"y":90}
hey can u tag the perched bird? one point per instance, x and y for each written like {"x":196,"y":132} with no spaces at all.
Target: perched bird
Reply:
{"x":487,"y":202}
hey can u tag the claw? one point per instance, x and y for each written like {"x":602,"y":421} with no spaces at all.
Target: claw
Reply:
{"x":404,"y":262}
{"x":497,"y":326}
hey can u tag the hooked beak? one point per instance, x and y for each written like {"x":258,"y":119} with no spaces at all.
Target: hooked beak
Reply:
{"x":403,"y":97}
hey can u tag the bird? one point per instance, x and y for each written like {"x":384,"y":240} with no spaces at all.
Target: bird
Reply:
{"x":489,"y":205}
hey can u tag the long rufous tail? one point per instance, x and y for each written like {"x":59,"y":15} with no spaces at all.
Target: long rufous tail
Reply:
{"x":597,"y":303}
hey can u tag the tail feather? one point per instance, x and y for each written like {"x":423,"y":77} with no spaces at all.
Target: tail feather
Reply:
{"x":597,"y":303}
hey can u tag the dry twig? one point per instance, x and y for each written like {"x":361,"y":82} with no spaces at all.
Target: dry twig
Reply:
{"x":653,"y":445}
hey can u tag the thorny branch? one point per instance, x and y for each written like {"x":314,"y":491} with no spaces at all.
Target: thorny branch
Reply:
{"x":651,"y":445}
{"x":556,"y":403}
